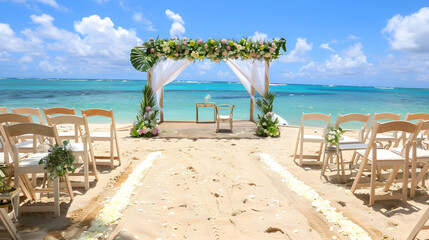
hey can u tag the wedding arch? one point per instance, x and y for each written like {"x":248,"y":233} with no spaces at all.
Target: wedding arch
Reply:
{"x":165,"y":59}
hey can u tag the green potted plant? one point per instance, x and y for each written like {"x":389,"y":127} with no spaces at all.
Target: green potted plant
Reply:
{"x":6,"y":186}
{"x":267,"y":124}
{"x":147,"y":119}
{"x":59,"y":160}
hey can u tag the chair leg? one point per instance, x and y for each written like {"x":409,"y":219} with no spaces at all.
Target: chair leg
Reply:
{"x":413,"y":179}
{"x":301,"y":152}
{"x":69,"y":187}
{"x":93,"y":163}
{"x":57,"y":197}
{"x":230,"y":124}
{"x":405,"y":183}
{"x":217,"y":126}
{"x":296,"y":148}
{"x":86,"y":170}
{"x":372,"y":185}
{"x":358,"y":176}
{"x":117,"y":149}
{"x":343,"y":171}
{"x":391,"y":178}
{"x":320,"y":151}
{"x":111,"y":153}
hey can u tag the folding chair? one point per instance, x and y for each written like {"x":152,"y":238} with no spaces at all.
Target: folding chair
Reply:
{"x":391,"y":137}
{"x":63,"y":135}
{"x":224,"y":108}
{"x":348,"y":143}
{"x":79,"y":149}
{"x":301,"y":138}
{"x":33,"y":112}
{"x":382,"y":158}
{"x":4,"y":110}
{"x":31,"y":164}
{"x":110,"y":136}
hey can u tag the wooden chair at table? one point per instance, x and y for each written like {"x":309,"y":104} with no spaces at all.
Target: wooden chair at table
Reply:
{"x":63,"y":135}
{"x":382,"y":158}
{"x":224,"y":108}
{"x":310,"y":138}
{"x":110,"y":136}
{"x":4,"y":110}
{"x":31,"y":164}
{"x":391,"y":137}
{"x":348,"y":143}
{"x":79,"y":149}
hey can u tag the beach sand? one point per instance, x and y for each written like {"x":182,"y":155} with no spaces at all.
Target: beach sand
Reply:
{"x":218,"y":189}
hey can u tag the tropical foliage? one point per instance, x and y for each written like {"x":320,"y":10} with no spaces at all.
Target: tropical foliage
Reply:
{"x":154,"y":50}
{"x":147,"y":119}
{"x":59,"y":160}
{"x":267,"y":124}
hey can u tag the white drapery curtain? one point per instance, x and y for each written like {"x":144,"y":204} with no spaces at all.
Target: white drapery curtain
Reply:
{"x":164,"y":72}
{"x":250,"y":74}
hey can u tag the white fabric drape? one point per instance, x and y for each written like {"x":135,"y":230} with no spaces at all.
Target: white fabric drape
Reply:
{"x":250,"y":74}
{"x":165,"y":72}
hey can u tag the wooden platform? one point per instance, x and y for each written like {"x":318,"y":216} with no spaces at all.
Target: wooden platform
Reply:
{"x":186,"y":129}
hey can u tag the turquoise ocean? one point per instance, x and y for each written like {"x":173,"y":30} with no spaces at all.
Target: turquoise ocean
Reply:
{"x":123,"y":96}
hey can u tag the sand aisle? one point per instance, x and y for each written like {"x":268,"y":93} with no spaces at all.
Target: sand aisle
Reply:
{"x":198,"y":192}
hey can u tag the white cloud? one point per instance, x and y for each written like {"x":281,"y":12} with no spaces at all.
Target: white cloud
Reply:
{"x":177,"y":28}
{"x":101,"y":1}
{"x":224,"y":75}
{"x":94,"y":45}
{"x":351,"y":61}
{"x":205,"y":65}
{"x":352,"y":37}
{"x":139,"y":17}
{"x":326,"y":46}
{"x":300,"y":53}
{"x":52,"y":3}
{"x":409,"y":33}
{"x":9,"y":41}
{"x":259,"y":36}
{"x":4,"y":56}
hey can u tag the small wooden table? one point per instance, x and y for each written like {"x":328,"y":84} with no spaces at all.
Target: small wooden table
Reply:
{"x":211,"y":104}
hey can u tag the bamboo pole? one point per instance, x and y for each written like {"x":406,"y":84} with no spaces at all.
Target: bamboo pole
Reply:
{"x":149,"y":78}
{"x":252,"y":104}
{"x":267,"y":78}
{"x":161,"y":104}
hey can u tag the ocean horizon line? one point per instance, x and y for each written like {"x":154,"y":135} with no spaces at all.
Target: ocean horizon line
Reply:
{"x":207,"y":81}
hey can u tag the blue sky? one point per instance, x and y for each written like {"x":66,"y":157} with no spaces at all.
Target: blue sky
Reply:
{"x":369,"y":43}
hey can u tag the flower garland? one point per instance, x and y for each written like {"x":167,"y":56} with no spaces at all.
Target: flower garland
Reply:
{"x":102,"y":226}
{"x":154,"y":50}
{"x":347,"y":227}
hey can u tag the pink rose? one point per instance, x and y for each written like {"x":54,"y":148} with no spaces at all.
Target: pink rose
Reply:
{"x":232,"y":58}
{"x":271,"y":50}
{"x":147,"y":108}
{"x":267,"y":55}
{"x":176,"y":54}
{"x":151,"y":39}
{"x":131,"y":129}
{"x":212,"y":47}
{"x":224,"y":41}
{"x":224,"y":53}
{"x":184,"y":42}
{"x":261,"y":43}
{"x":155,"y":132}
{"x":257,"y":56}
{"x":152,"y":50}
{"x":200,"y":41}
{"x":273,"y":44}
{"x":269,"y":113}
{"x":186,"y":52}
{"x":142,"y":131}
{"x":228,"y":47}
{"x":217,"y":60}
{"x":158,"y":54}
{"x":206,"y":46}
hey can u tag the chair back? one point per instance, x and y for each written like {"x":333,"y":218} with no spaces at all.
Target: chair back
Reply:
{"x":101,"y":113}
{"x":57,"y":110}
{"x":3,"y":110}
{"x":354,"y":117}
{"x":224,"y":108}
{"x":30,"y":111}
{"x":381,"y":116}
{"x":79,"y":122}
{"x":15,"y":118}
{"x":416,"y":116}
{"x":314,"y":116}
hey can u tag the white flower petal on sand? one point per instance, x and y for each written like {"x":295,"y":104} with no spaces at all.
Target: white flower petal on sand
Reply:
{"x":347,"y":227}
{"x":114,"y":206}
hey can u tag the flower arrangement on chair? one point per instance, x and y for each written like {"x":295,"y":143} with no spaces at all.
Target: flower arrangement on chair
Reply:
{"x":147,"y":119}
{"x":267,"y":124}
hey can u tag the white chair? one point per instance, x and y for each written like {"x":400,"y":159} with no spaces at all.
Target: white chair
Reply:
{"x":80,"y":149}
{"x":310,"y":138}
{"x":55,"y":111}
{"x":31,"y":164}
{"x":378,"y":158}
{"x":110,"y":136}
{"x":224,"y":114}
{"x":390,"y":137}
{"x":348,"y":143}
{"x":26,"y":146}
